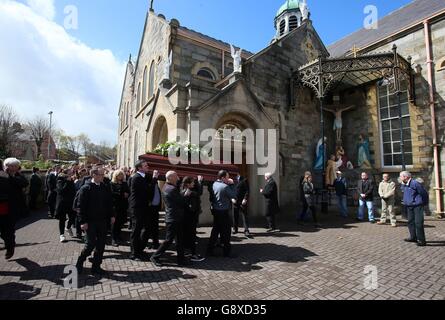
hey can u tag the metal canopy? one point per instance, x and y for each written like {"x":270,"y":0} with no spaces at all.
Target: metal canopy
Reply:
{"x":323,"y":73}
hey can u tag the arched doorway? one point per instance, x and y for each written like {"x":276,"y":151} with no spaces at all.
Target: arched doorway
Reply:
{"x":160,"y":132}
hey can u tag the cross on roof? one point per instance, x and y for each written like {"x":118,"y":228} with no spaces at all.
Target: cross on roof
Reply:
{"x":355,"y":50}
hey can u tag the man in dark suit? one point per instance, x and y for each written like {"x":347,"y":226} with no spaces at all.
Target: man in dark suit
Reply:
{"x":153,"y":222}
{"x":35,"y":188}
{"x":270,"y":192}
{"x":95,"y":212}
{"x":174,"y":217}
{"x":141,"y":196}
{"x":242,"y":197}
{"x":365,"y":189}
{"x":51,"y":187}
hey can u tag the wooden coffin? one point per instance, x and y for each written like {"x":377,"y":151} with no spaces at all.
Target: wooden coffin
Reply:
{"x":209,"y":172}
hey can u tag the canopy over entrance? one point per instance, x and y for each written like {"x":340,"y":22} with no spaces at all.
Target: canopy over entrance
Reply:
{"x":325,"y":74}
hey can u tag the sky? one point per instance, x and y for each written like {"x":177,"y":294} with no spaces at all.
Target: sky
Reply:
{"x":75,"y":67}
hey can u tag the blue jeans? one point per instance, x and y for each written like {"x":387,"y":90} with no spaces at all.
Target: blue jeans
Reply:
{"x":361,"y":210}
{"x":342,"y":203}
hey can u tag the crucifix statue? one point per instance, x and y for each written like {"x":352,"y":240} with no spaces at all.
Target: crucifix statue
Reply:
{"x":337,"y":111}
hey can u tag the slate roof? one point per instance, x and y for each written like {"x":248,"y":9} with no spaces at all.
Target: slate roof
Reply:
{"x":207,"y":38}
{"x":413,"y":13}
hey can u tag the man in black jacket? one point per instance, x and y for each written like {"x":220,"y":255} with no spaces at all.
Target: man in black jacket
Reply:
{"x":174,"y":216}
{"x":141,"y":197}
{"x":242,"y":197}
{"x":270,"y":193}
{"x":51,"y":188}
{"x":13,"y":185}
{"x":365,"y":189}
{"x":35,"y":188}
{"x":95,"y":211}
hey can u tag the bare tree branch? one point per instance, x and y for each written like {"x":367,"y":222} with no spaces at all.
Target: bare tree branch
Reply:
{"x":9,"y":130}
{"x":39,"y":129}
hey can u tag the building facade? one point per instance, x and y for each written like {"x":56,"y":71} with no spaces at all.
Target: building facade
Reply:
{"x":181,"y":76}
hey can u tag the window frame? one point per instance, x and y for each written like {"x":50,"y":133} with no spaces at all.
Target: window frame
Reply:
{"x":388,"y":106}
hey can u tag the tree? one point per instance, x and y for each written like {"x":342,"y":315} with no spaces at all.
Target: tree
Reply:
{"x":84,"y":143}
{"x":39,"y":129}
{"x":10,"y":128}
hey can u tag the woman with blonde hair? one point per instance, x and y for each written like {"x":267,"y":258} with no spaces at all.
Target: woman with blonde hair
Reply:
{"x":309,"y":192}
{"x":121,"y":192}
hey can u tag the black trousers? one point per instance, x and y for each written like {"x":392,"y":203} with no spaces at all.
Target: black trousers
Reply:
{"x":190,"y":225}
{"x":139,"y":234}
{"x":116,"y":228}
{"x":174,"y":231}
{"x":153,"y":225}
{"x":236,"y":214}
{"x":7,"y":231}
{"x":33,"y":200}
{"x":416,"y":223}
{"x":95,"y":240}
{"x":271,"y":221}
{"x":221,"y":227}
{"x":71,"y":221}
{"x":52,"y":197}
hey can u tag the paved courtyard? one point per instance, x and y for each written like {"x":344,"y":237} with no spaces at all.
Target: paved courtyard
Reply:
{"x":298,"y":263}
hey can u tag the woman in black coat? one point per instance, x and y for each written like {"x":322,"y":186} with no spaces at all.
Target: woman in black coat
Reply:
{"x":66,"y":192}
{"x":192,"y":192}
{"x":121,"y":192}
{"x":6,"y":225}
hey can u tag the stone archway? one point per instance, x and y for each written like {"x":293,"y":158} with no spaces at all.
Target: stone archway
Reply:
{"x":160,"y":132}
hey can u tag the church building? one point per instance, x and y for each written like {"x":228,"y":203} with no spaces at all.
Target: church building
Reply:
{"x":180,"y":76}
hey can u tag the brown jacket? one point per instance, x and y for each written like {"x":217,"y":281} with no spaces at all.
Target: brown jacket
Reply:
{"x":387,"y":190}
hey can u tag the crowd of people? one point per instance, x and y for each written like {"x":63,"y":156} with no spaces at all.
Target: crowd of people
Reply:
{"x":415,"y":199}
{"x":92,"y":202}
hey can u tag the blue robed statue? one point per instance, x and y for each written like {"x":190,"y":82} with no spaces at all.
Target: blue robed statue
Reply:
{"x":364,"y":156}
{"x":321,"y":154}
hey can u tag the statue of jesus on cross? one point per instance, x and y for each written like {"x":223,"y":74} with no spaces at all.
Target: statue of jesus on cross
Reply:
{"x":337,"y":111}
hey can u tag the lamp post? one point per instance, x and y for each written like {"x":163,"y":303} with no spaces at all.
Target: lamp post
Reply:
{"x":49,"y":133}
{"x":321,"y":96}
{"x":398,"y":93}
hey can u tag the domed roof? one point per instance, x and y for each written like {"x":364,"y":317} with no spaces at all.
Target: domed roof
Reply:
{"x":288,"y":5}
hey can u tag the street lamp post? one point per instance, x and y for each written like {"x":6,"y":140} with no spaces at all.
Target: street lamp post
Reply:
{"x":49,"y":134}
{"x":398,"y":93}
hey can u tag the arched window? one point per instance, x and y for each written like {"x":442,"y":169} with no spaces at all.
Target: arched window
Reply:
{"x":282,"y":27}
{"x":138,"y":98}
{"x":151,"y":81}
{"x":144,"y":88}
{"x":135,"y":147}
{"x":293,"y":23}
{"x":206,"y":73}
{"x":128,"y":114}
{"x":125,"y":153}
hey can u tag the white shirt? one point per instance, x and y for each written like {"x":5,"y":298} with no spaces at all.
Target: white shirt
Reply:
{"x":142,"y":174}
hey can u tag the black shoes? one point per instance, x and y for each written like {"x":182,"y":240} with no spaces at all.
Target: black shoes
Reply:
{"x":9,"y":254}
{"x":248,"y":235}
{"x":135,"y":258}
{"x":98,"y":271}
{"x":156,"y":262}
{"x":411,"y":240}
{"x":421,"y":244}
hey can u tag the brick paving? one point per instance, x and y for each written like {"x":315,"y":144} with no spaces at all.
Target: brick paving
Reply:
{"x":300,"y":262}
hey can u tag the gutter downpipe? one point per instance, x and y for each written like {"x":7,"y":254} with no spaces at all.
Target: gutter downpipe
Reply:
{"x":430,"y":62}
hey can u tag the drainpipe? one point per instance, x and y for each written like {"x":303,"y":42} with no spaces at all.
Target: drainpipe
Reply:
{"x":430,"y":66}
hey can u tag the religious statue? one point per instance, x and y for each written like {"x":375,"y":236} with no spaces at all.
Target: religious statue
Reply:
{"x":364,"y":156}
{"x":321,"y":154}
{"x":331,"y":170}
{"x":342,"y":160}
{"x":167,"y":65}
{"x":236,"y":55}
{"x":338,"y":122}
{"x":304,"y":9}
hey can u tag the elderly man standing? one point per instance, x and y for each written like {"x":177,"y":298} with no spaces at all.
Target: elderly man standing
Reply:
{"x":387,"y":191}
{"x":174,"y":217}
{"x":13,"y":184}
{"x":270,"y":192}
{"x":415,"y":198}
